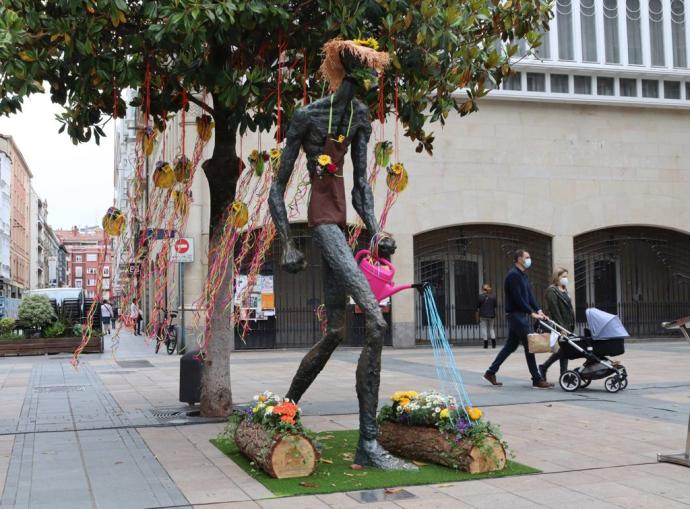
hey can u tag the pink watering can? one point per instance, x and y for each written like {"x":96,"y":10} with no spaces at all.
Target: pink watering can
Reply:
{"x":379,"y":272}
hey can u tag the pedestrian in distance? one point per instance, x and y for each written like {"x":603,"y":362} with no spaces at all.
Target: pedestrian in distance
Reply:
{"x":559,"y":307}
{"x":135,"y":315}
{"x":520,"y":305}
{"x":486,"y":315}
{"x":106,"y":315}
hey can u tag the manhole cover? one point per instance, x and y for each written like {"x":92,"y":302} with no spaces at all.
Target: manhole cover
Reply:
{"x":135,"y":364}
{"x":369,"y":496}
{"x":60,"y":388}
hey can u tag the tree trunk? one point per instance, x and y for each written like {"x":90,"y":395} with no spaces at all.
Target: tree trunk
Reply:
{"x":432,"y":446}
{"x":280,"y":456}
{"x":222,"y":173}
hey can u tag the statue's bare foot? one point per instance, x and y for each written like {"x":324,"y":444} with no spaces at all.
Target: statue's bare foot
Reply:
{"x":371,"y":454}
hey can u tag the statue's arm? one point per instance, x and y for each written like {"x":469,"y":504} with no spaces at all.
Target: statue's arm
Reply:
{"x":362,"y":196}
{"x":292,"y":259}
{"x":276,"y":197}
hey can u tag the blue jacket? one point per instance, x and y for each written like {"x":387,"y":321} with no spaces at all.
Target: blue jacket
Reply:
{"x":518,"y":294}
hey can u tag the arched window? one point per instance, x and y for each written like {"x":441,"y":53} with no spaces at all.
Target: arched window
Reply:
{"x":588,"y":30}
{"x":564,"y":13}
{"x":633,"y":17}
{"x":656,"y":32}
{"x":678,"y":33}
{"x":611,"y":45}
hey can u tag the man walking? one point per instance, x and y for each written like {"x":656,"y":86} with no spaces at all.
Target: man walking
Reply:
{"x":520,"y":305}
{"x":106,"y":315}
{"x":486,"y":314}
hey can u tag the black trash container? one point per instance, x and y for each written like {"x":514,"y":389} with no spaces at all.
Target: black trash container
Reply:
{"x":190,"y":377}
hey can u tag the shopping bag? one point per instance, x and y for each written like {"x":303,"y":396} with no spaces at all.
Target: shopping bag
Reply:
{"x":539,"y":342}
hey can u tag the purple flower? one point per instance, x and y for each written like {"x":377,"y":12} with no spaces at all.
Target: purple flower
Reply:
{"x":462,"y":426}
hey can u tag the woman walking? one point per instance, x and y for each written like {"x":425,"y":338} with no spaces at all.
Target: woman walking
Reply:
{"x":135,"y":315}
{"x":559,"y":308}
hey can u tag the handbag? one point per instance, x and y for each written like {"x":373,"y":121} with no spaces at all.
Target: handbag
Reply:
{"x":539,"y":342}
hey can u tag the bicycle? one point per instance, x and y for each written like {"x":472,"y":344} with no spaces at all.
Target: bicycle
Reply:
{"x":168,"y":335}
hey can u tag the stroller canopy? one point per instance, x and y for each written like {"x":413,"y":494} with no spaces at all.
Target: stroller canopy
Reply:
{"x":604,"y":325}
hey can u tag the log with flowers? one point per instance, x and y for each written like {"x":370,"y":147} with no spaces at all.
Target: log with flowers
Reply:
{"x":271,"y":435}
{"x":429,"y":427}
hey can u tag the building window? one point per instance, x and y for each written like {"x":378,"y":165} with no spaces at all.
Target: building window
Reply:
{"x":634,"y":28}
{"x":583,"y":84}
{"x":678,"y":33}
{"x":544,"y":51}
{"x":106,"y":271}
{"x":588,"y":30}
{"x":656,"y":32}
{"x":564,"y":16}
{"x":91,"y":282}
{"x":559,"y":83}
{"x":611,"y":49}
{"x":513,"y":82}
{"x":78,"y":271}
{"x":91,"y":257}
{"x":536,"y":82}
{"x":650,"y":88}
{"x":77,"y":258}
{"x":77,"y":283}
{"x":671,"y":89}
{"x":628,"y":87}
{"x":604,"y":86}
{"x":687,"y":90}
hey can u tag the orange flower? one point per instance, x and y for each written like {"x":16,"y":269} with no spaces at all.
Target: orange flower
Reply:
{"x":287,"y":410}
{"x":288,"y":419}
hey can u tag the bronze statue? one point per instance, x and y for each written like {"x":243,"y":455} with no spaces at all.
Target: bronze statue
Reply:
{"x":325,"y":129}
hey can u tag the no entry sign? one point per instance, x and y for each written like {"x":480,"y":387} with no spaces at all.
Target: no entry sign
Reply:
{"x":182,"y":250}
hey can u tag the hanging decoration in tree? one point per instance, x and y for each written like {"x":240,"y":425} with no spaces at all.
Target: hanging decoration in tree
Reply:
{"x":397,"y":178}
{"x":149,"y":142}
{"x":383,"y":151}
{"x":239,"y":214}
{"x":114,"y":222}
{"x":163,"y":175}
{"x":204,"y":127}
{"x":275,"y":159}
{"x":257,"y":161}
{"x":183,"y":169}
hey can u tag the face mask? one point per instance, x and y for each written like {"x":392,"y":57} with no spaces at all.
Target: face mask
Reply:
{"x":563,"y":281}
{"x":527,"y":263}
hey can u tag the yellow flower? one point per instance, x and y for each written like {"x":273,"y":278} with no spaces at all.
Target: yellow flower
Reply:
{"x":254,"y":156}
{"x":275,"y":152}
{"x":400,"y":395}
{"x":369,"y":43}
{"x":445,"y":413}
{"x":474,"y":413}
{"x":262,"y":398}
{"x":324,"y":160}
{"x":397,"y":169}
{"x":341,"y":138}
{"x":404,"y":402}
{"x":269,"y":409}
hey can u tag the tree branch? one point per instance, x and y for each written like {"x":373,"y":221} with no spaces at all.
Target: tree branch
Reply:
{"x":202,"y":105}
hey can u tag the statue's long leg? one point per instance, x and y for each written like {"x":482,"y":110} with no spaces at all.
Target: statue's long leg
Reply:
{"x":316,"y":358}
{"x":338,"y":256}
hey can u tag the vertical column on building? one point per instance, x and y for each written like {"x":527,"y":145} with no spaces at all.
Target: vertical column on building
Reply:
{"x":403,"y":302}
{"x":563,"y":250}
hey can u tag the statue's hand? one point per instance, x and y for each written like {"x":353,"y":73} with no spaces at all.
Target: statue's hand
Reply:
{"x":293,"y":260}
{"x":387,"y":247}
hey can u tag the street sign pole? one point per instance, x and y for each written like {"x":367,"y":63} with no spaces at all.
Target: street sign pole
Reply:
{"x":181,"y":346}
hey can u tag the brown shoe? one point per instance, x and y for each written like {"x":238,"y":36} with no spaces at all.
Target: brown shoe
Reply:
{"x":491,"y":378}
{"x":542,"y":384}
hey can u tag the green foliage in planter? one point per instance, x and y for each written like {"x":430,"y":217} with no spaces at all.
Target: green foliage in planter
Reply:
{"x":7,"y":325}
{"x":36,"y":311}
{"x":77,"y":329}
{"x":11,"y":336}
{"x":56,"y":330}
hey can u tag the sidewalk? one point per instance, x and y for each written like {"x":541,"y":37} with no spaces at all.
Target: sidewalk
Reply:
{"x":106,"y":435}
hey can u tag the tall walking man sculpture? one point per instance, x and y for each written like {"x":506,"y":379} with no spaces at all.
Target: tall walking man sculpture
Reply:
{"x":325,"y":129}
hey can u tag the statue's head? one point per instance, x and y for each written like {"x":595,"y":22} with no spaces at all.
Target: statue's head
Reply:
{"x":358,"y":61}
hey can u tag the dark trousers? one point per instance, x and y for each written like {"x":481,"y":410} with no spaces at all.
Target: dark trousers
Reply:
{"x":560,"y":357}
{"x":137,"y":325}
{"x":518,"y":328}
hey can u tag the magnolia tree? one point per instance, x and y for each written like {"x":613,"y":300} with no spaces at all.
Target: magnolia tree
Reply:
{"x":445,"y":56}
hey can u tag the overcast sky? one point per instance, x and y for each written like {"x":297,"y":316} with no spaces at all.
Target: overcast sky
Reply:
{"x":76,"y":180}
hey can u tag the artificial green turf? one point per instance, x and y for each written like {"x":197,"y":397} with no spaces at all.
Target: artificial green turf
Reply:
{"x":339,"y":447}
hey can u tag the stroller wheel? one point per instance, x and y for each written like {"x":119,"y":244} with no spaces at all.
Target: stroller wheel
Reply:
{"x":570,"y":381}
{"x":612,"y":384}
{"x":624,"y":383}
{"x":585,"y":383}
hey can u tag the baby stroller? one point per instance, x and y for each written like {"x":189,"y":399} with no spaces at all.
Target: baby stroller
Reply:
{"x":603,"y":339}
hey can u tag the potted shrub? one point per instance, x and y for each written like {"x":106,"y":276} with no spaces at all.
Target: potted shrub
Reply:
{"x":271,"y":435}
{"x":7,"y":329}
{"x":36,"y":312}
{"x":430,"y":427}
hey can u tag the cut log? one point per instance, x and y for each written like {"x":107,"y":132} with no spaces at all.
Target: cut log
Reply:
{"x":280,"y":456}
{"x":431,"y":446}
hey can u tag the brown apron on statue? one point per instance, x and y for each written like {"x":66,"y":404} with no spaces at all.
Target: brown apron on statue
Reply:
{"x":327,"y":203}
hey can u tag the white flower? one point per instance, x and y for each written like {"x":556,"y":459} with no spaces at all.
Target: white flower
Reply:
{"x":437,"y":410}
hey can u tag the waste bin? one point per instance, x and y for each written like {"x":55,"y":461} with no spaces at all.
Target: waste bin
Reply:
{"x":190,"y":377}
